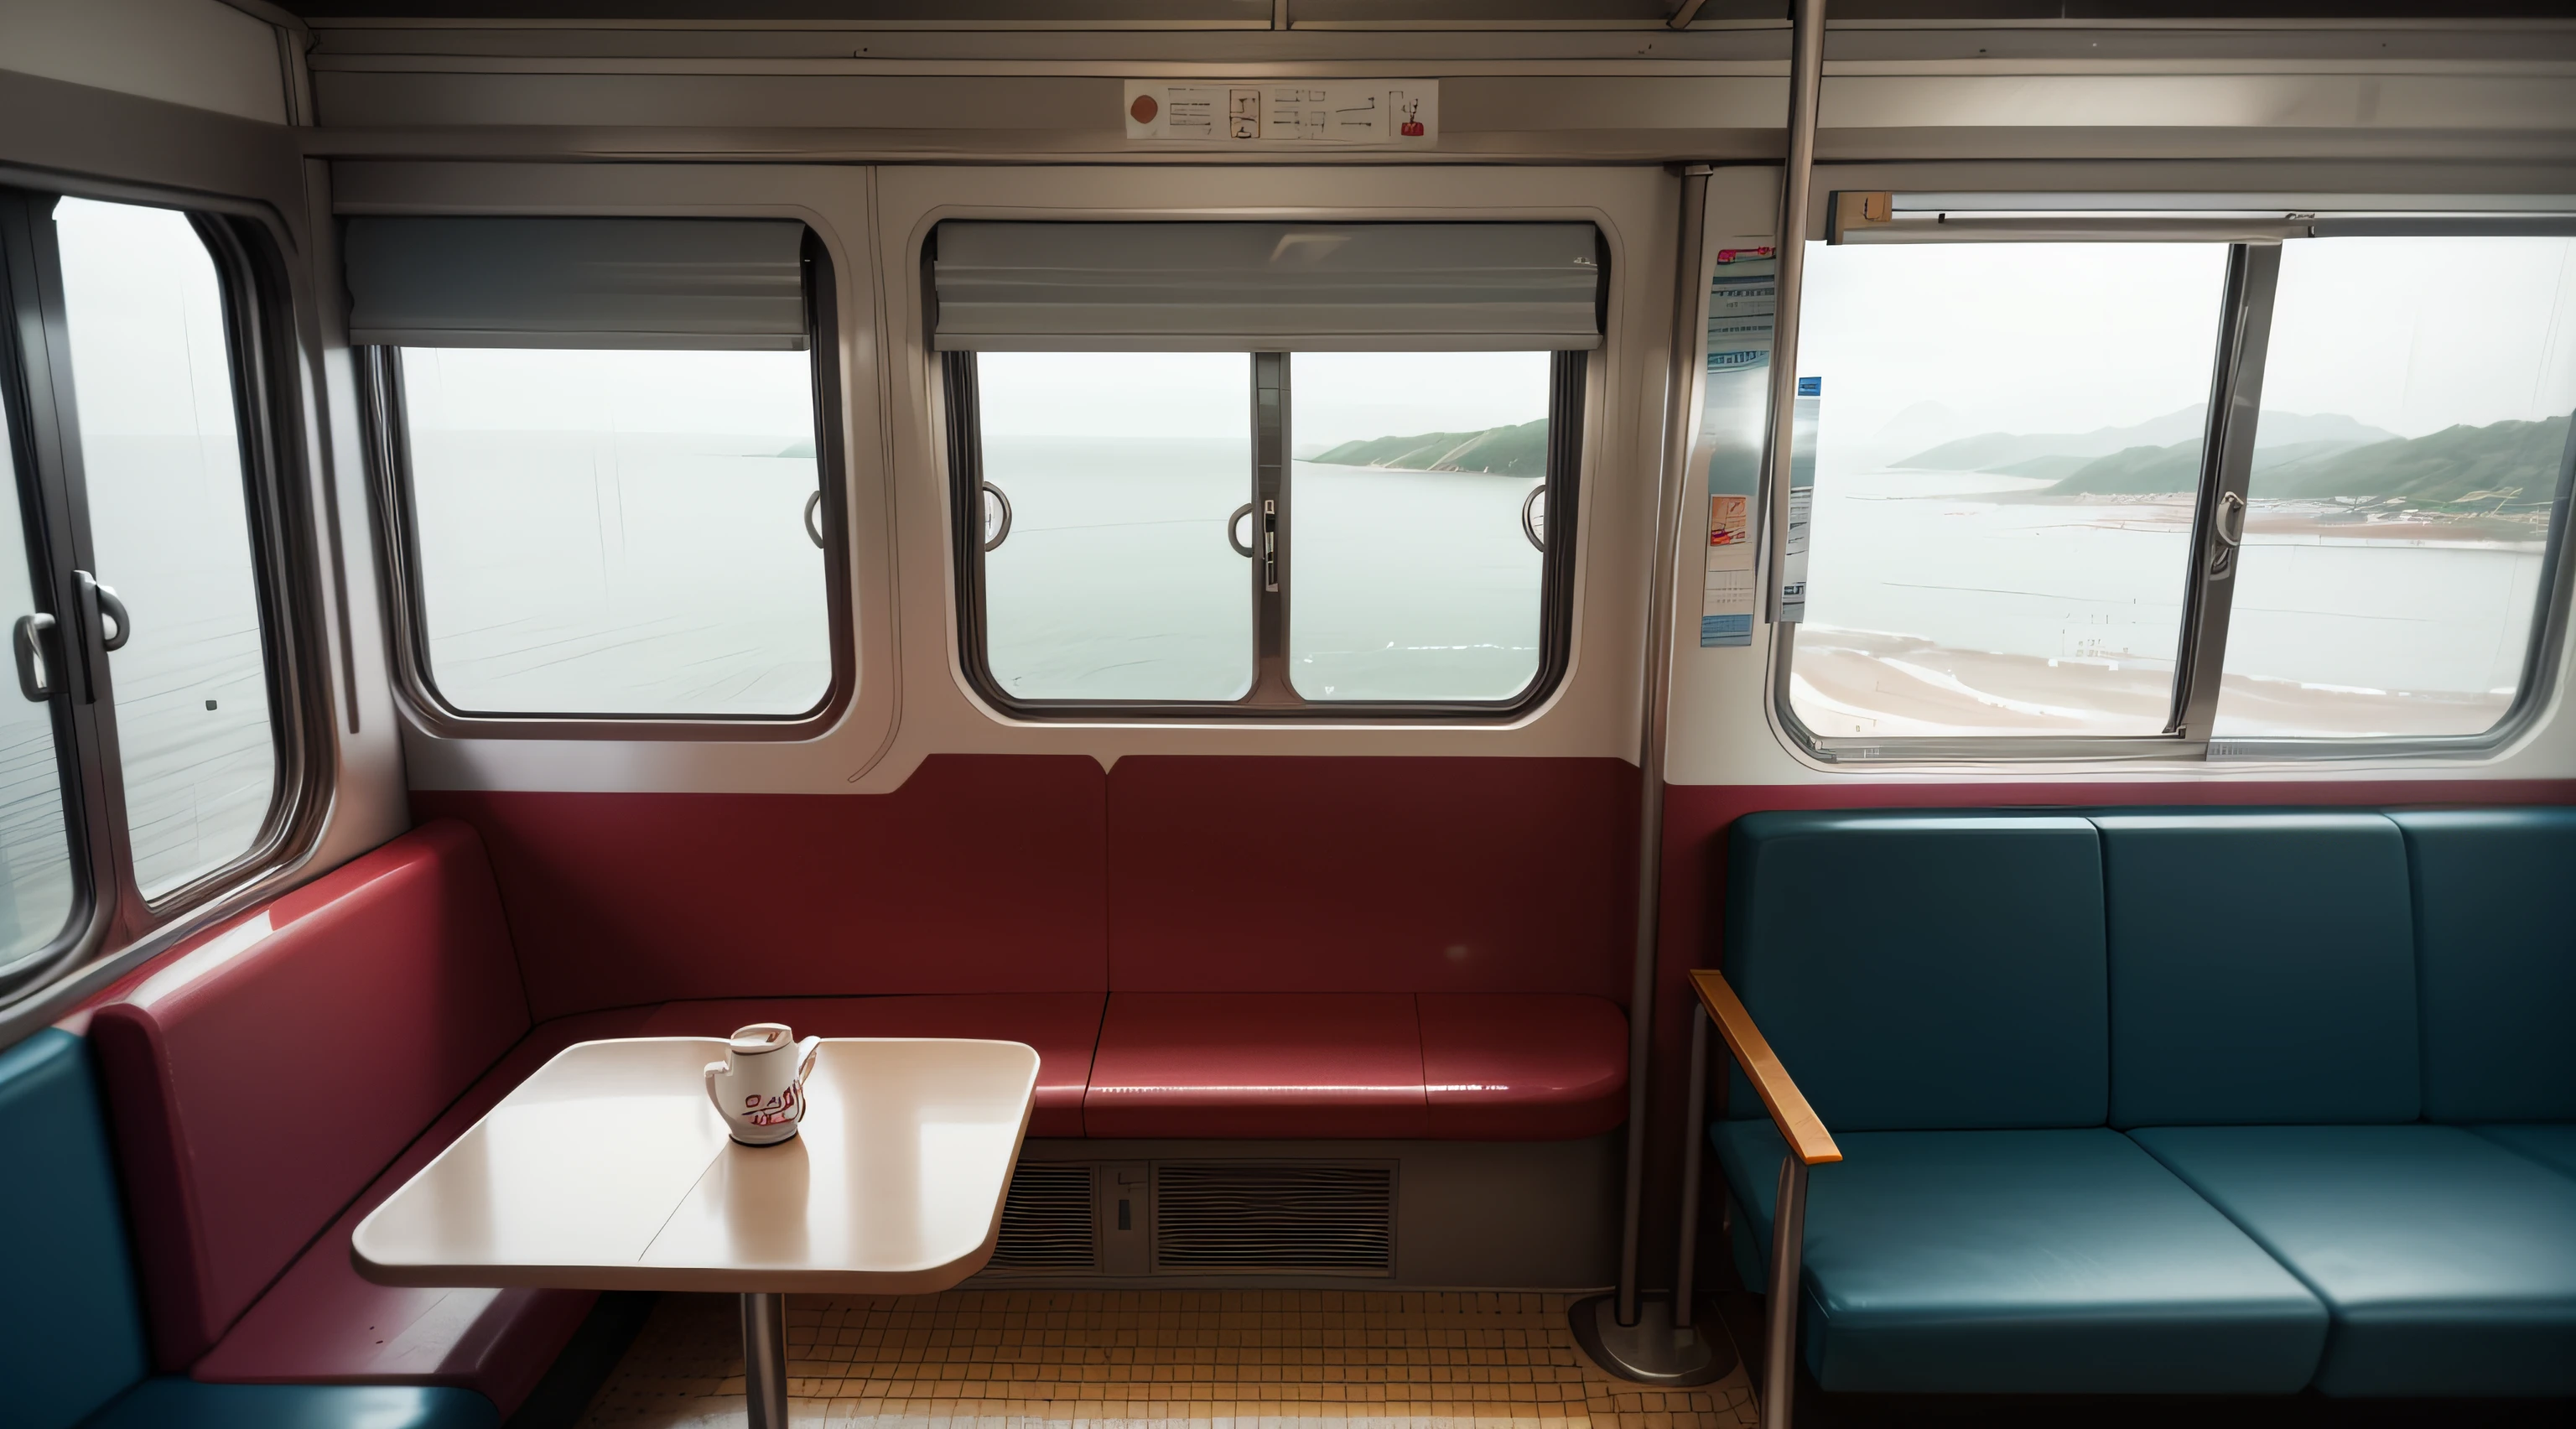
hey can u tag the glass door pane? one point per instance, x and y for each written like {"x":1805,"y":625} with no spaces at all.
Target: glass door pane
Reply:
{"x":2008,"y":443}
{"x":36,"y":891}
{"x":170,"y":523}
{"x":1116,"y":578}
{"x":2413,"y":436}
{"x":1412,"y":577}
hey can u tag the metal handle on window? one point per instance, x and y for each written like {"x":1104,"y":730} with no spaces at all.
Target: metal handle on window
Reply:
{"x":35,"y":670}
{"x":1002,"y":532}
{"x":814,"y":528}
{"x":1241,"y":548}
{"x":106,"y":613}
{"x":1533,"y":520}
{"x":2231,"y":507}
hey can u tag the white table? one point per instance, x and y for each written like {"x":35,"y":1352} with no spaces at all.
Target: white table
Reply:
{"x":609,"y":1169}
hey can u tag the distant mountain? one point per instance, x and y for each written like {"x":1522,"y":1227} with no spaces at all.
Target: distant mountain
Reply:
{"x":1499,"y":451}
{"x":2513,"y":462}
{"x":1995,"y":451}
{"x":2517,"y":462}
{"x":2141,"y":471}
{"x":2043,"y":466}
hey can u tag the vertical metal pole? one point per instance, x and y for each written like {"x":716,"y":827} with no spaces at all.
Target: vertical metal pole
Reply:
{"x":1694,"y":1139}
{"x":1806,"y":78}
{"x":1780,"y":1347}
{"x":764,"y":1359}
{"x":1689,"y":297}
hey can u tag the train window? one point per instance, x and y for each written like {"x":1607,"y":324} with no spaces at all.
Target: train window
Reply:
{"x":169,"y":518}
{"x":2396,"y":543}
{"x":2005,"y":462}
{"x":617,"y":532}
{"x":1118,"y":475}
{"x":1264,"y":468}
{"x":36,"y":888}
{"x":1416,"y":481}
{"x":611,"y":473}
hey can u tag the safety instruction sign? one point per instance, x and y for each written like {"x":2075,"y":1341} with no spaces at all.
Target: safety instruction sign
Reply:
{"x":1285,"y":114}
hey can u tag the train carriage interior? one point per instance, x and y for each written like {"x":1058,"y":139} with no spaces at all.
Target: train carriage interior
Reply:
{"x":1221,"y":714}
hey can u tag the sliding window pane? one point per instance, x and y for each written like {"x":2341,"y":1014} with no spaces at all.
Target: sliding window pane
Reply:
{"x":2008,"y":441}
{"x":1413,"y":578}
{"x":35,"y":847}
{"x":2413,"y":438}
{"x":618,"y":533}
{"x":1116,"y":578}
{"x":170,"y":520}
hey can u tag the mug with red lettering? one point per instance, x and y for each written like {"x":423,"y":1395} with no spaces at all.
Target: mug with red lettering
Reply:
{"x":760,"y":1085}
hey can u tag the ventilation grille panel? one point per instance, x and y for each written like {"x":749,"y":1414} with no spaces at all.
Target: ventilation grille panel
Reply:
{"x":1047,"y":1219}
{"x":1273,"y":1216}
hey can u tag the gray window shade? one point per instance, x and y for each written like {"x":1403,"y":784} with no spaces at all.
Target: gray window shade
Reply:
{"x":1110,"y":287}
{"x":577,"y":282}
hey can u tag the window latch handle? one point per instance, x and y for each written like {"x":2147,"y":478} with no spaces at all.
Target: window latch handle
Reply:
{"x":106,"y":613}
{"x":1270,"y":546}
{"x":2228,"y":531}
{"x":31,"y":644}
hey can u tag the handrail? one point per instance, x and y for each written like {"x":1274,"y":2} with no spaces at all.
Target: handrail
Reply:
{"x":1799,"y":1125}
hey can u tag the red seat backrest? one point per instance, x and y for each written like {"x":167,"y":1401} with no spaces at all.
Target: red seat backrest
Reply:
{"x":259,"y":1079}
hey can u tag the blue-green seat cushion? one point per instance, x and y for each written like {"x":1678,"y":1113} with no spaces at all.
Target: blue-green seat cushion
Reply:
{"x":2262,"y":969}
{"x":176,"y":1402}
{"x":2496,"y":961}
{"x":1923,"y":971}
{"x":2449,"y":1262}
{"x":71,"y":1334}
{"x":2049,"y":1261}
{"x":2551,"y":1143}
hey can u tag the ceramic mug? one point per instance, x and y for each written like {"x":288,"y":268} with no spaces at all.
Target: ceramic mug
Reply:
{"x":760,"y":1085}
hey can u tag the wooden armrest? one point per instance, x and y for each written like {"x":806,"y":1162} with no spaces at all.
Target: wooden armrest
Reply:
{"x":1797,"y":1121}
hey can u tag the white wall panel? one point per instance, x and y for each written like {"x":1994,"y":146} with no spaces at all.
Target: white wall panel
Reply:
{"x":199,"y":53}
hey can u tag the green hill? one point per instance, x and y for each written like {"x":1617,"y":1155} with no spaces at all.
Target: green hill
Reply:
{"x":1497,"y":451}
{"x":2516,"y":461}
{"x":2452,"y":465}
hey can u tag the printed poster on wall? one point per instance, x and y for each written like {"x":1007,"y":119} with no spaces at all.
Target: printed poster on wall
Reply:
{"x":1742,"y":300}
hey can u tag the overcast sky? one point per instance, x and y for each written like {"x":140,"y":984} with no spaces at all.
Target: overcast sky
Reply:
{"x":1335,"y":396}
{"x":1920,"y":343}
{"x":769,"y":395}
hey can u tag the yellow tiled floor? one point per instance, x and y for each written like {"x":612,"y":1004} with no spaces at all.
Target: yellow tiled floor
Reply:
{"x":998,"y":1359}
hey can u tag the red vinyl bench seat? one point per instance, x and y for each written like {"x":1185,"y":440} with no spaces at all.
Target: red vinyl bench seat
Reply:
{"x":273,"y":1082}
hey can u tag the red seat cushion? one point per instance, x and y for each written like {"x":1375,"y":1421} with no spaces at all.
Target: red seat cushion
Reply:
{"x":1504,"y":1066}
{"x":1062,"y":1026}
{"x":258,"y":1081}
{"x":322,"y":1324}
{"x":1257,"y":1064}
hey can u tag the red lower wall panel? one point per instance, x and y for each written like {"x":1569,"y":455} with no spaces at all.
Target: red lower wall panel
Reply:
{"x":1694,"y":897}
{"x":1372,"y":875}
{"x":983,"y":873}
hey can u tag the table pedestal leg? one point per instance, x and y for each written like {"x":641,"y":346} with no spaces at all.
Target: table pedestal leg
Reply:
{"x":764,"y":1359}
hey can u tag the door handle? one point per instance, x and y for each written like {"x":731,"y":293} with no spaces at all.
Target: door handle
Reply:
{"x":814,"y":528}
{"x":1002,"y":531}
{"x":106,"y":613}
{"x":28,"y":644}
{"x":1233,"y":523}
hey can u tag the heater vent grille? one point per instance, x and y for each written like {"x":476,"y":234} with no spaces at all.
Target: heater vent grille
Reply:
{"x":1274,"y":1216}
{"x":1047,"y":1219}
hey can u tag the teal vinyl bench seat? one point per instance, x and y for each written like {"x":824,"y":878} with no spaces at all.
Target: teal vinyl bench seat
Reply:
{"x":2157,"y":1101}
{"x":177,"y":1402}
{"x":2051,"y":1261}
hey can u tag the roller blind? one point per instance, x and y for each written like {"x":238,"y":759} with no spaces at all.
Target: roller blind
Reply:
{"x":1109,"y":287}
{"x":577,"y":282}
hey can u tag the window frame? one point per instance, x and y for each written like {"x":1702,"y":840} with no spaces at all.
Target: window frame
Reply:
{"x":2255,"y":230}
{"x":1272,"y":696}
{"x":398,"y":551}
{"x":47,"y":464}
